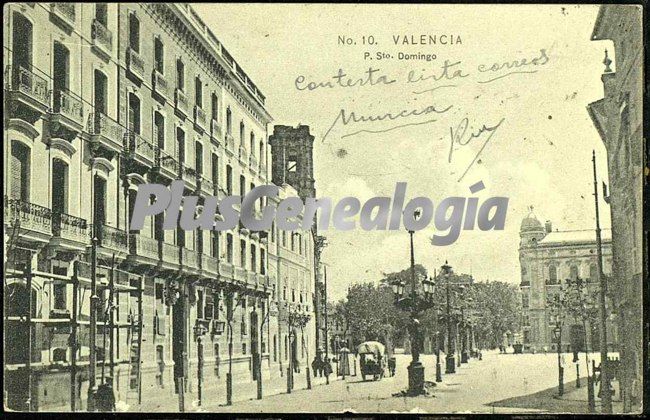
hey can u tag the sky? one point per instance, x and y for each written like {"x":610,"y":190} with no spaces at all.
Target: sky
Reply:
{"x":538,"y":155}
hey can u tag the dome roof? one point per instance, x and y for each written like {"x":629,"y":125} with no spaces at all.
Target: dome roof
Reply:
{"x":530,"y":223}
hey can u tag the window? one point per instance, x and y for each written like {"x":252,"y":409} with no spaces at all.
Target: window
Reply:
{"x":180,"y":74}
{"x":273,"y":232}
{"x":99,"y":201}
{"x":199,"y":305}
{"x":262,"y":261}
{"x":61,"y":76}
{"x":159,"y":55}
{"x":101,"y":93}
{"x":214,"y":235}
{"x":228,"y":121}
{"x":215,"y":107}
{"x":293,"y":245}
{"x":180,"y":142}
{"x":293,"y":295}
{"x":243,"y":345}
{"x":552,"y":274}
{"x":134,"y":33}
{"x":242,"y":253}
{"x":101,"y":14}
{"x":300,"y":244}
{"x":253,"y":257}
{"x":242,"y":186}
{"x":215,"y":169}
{"x":292,"y":164}
{"x":59,"y":187}
{"x":198,"y":92}
{"x":242,"y":129}
{"x":160,"y":359}
{"x":229,"y":248}
{"x":261,"y":151}
{"x":22,"y":42}
{"x":574,"y":272}
{"x":209,"y":306}
{"x":198,"y":157}
{"x":59,"y":296}
{"x":524,"y":301}
{"x":229,"y":179}
{"x":159,"y":129}
{"x":252,"y":146}
{"x":526,"y":321}
{"x":284,"y":238}
{"x":134,"y":113}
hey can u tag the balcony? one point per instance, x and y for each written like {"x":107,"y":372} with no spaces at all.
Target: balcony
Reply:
{"x":102,"y":39}
{"x":251,"y":278}
{"x":67,"y":111}
{"x":66,"y":13}
{"x":240,"y":274}
{"x":226,"y":270}
{"x":28,"y":89}
{"x":205,"y":186}
{"x":215,"y":131}
{"x":31,"y":220}
{"x":209,"y":265}
{"x":106,"y":132}
{"x":262,"y":280}
{"x":143,"y":250}
{"x":199,"y":117}
{"x":230,"y":143}
{"x":111,"y":240}
{"x":189,"y":259}
{"x":252,"y":163}
{"x":181,"y":103}
{"x":135,"y":64}
{"x":188,"y":175}
{"x":243,"y":154}
{"x":69,"y":231}
{"x":262,"y":168}
{"x":166,"y":165}
{"x":160,"y":86}
{"x":139,"y":149}
{"x":170,"y":256}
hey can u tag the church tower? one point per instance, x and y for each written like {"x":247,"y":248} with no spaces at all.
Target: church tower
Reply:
{"x":292,"y":158}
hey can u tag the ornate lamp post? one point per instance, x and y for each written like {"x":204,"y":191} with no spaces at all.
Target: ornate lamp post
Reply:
{"x":199,"y":330}
{"x":415,"y":304}
{"x":450,"y":361}
{"x":557,"y":334}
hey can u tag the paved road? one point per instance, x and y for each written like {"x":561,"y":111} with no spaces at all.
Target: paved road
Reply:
{"x":471,"y":389}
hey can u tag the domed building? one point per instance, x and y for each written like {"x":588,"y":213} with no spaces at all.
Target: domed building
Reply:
{"x":547,"y":258}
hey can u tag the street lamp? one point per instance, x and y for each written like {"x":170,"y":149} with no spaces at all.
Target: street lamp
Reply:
{"x":415,"y":304}
{"x":199,"y":330}
{"x":557,"y":334}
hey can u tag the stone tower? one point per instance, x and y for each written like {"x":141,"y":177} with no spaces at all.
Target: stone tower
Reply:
{"x":292,"y":158}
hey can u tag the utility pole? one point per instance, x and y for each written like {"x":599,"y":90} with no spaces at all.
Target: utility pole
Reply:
{"x":606,"y":397}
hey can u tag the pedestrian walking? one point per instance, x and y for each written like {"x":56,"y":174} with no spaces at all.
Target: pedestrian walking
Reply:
{"x":105,"y":398}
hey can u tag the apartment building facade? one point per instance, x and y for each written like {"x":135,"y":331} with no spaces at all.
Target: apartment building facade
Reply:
{"x":101,"y":98}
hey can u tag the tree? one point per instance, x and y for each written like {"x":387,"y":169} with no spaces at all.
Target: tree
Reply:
{"x":495,"y":311}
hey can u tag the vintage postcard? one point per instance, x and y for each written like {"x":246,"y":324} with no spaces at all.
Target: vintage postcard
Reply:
{"x":324,"y":208}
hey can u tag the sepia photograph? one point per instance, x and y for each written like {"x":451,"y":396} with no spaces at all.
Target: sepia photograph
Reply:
{"x":324,"y":209}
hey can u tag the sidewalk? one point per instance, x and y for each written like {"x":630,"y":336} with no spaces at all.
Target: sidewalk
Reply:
{"x":215,"y":397}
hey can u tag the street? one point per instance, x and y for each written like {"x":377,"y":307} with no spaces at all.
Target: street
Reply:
{"x":473,"y":388}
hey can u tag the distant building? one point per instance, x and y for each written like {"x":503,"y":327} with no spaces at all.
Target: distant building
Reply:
{"x":618,"y":117}
{"x":547,"y":259}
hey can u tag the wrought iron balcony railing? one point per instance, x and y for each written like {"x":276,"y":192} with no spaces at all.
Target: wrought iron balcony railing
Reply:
{"x":182,"y":104}
{"x":167,"y":163}
{"x":144,"y":246}
{"x":190,"y":258}
{"x":160,"y":84}
{"x":110,"y":238}
{"x":68,"y":105}
{"x":102,"y":37}
{"x":199,"y":116}
{"x":136,"y":63}
{"x":106,"y":130}
{"x":30,"y":84}
{"x":70,"y":227}
{"x":65,"y":11}
{"x":209,"y":265}
{"x":28,"y":216}
{"x":139,"y":147}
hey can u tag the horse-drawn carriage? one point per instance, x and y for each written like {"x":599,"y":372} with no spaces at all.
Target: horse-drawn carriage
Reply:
{"x":372,"y":359}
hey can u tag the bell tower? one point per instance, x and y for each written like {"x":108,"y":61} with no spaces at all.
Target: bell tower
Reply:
{"x":292,"y":158}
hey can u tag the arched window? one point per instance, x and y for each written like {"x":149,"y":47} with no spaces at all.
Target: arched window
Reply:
{"x":252,"y":145}
{"x":22,"y":43}
{"x":574,"y":272}
{"x":552,"y":274}
{"x":228,"y":121}
{"x":242,"y":129}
